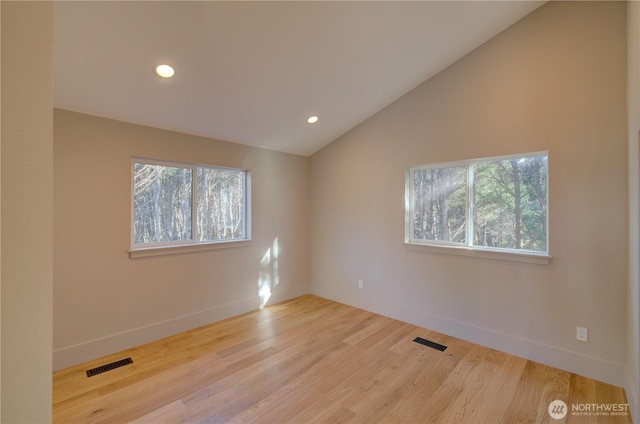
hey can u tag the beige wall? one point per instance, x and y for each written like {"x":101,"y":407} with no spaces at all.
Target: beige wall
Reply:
{"x":554,"y":81}
{"x":633,"y":306}
{"x":26,"y":214}
{"x":105,"y":301}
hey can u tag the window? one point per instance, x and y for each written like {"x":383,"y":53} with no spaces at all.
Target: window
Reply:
{"x":498,"y":203}
{"x":185,"y":204}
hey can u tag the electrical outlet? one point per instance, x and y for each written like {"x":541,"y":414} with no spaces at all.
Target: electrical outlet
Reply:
{"x":582,"y":334}
{"x":360,"y":284}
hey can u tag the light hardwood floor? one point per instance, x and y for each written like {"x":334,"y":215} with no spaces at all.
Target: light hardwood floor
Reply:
{"x":313,"y":360}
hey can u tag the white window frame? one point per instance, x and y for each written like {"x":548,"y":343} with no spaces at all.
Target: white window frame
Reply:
{"x":468,"y":248}
{"x":181,"y":246}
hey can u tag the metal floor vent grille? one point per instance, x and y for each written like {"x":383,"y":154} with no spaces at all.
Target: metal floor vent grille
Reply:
{"x":429,"y":343}
{"x":109,"y":367}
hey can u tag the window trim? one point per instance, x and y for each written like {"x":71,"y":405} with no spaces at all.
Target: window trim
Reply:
{"x":144,"y":252}
{"x":191,"y":245}
{"x":467,"y":248}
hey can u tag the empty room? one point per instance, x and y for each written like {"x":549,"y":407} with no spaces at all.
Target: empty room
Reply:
{"x":293,"y":212}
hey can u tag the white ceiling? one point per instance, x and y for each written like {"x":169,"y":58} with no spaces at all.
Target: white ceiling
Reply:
{"x":251,"y":72}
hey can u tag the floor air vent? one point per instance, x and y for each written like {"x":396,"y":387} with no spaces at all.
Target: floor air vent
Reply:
{"x":429,"y":343}
{"x":109,"y":367}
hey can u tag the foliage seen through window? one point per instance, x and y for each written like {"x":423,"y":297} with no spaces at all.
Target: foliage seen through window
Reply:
{"x":163,"y":203}
{"x":498,"y":203}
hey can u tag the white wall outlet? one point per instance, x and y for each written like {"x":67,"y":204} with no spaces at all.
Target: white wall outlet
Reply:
{"x":582,"y":334}
{"x":360,"y":284}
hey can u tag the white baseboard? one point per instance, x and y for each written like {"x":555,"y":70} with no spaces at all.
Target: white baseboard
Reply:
{"x":566,"y":360}
{"x":574,"y":362}
{"x":92,"y":349}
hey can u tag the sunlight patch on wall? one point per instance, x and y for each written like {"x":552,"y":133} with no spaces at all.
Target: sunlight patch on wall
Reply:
{"x":269,"y":276}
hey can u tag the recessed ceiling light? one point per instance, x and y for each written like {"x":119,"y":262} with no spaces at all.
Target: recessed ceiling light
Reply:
{"x":165,"y":71}
{"x":312,"y":119}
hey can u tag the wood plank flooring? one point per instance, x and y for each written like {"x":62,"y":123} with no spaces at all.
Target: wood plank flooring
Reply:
{"x":311,"y":360}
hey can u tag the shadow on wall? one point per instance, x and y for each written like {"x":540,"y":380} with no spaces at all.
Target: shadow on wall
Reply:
{"x":269,"y":277}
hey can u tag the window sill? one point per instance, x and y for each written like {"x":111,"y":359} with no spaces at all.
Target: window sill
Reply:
{"x":530,"y":258}
{"x":145,"y":252}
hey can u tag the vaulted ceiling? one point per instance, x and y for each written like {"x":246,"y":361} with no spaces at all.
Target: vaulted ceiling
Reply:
{"x":253,"y":72}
